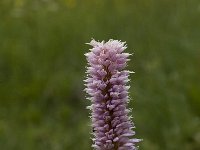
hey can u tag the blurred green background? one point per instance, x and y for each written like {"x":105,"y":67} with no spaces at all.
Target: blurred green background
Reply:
{"x":42,"y":67}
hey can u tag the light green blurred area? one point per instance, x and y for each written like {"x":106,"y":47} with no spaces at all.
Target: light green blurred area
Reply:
{"x":42,"y":67}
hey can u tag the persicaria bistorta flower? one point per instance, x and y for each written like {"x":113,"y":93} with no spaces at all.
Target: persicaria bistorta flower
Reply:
{"x":106,"y":85}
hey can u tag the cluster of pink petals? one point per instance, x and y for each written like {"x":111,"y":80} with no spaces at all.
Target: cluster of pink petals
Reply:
{"x":106,"y":85}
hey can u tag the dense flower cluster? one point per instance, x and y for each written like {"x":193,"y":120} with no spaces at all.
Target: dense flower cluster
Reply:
{"x":106,"y":85}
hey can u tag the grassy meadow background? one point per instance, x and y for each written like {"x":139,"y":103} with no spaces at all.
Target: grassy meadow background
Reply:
{"x":42,"y":67}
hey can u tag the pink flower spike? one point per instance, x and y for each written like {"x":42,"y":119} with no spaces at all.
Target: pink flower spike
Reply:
{"x":106,"y":85}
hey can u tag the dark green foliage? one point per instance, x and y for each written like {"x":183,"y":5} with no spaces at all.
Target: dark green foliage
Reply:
{"x":42,"y":103}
